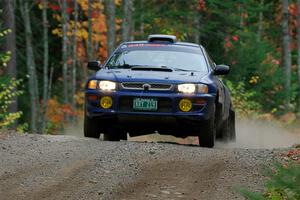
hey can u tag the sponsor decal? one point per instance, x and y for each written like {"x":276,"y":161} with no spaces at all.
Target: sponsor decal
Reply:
{"x":146,"y":45}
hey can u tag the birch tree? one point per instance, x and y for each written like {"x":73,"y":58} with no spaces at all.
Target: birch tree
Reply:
{"x":110,"y":22}
{"x":65,"y":50}
{"x":45,"y":64}
{"x":31,"y":67}
{"x":10,"y":45}
{"x":298,"y":49}
{"x":286,"y":50}
{"x":127,"y":23}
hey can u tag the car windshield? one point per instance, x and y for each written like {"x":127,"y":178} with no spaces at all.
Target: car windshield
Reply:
{"x":175,"y":60}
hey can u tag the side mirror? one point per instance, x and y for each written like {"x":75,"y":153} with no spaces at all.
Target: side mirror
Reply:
{"x":94,"y":65}
{"x":221,"y":70}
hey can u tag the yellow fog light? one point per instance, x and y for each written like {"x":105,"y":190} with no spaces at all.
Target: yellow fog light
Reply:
{"x":185,"y":105}
{"x":106,"y":102}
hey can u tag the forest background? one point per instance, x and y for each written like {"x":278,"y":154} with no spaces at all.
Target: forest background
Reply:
{"x":46,"y":44}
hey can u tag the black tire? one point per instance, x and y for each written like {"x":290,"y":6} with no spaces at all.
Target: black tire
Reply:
{"x":91,"y":127}
{"x":208,"y":135}
{"x":225,"y":130}
{"x":218,"y":120}
{"x":232,"y":131}
{"x":228,"y":128}
{"x":114,"y":134}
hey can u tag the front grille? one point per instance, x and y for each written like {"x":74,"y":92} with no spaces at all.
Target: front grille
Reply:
{"x":149,"y":86}
{"x":126,"y":104}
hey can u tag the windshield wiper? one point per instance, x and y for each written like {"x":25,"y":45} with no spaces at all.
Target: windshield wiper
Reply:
{"x":151,"y":68}
{"x":128,"y":66}
{"x":179,"y":69}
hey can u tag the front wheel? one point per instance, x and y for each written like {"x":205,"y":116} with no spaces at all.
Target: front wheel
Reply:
{"x":207,"y":136}
{"x":91,"y":127}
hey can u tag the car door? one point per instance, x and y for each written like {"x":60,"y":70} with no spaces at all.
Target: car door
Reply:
{"x":223,"y":94}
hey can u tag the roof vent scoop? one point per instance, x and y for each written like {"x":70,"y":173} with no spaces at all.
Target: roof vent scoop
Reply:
{"x":162,"y":38}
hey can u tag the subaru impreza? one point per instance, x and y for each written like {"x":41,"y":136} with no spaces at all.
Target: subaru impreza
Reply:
{"x":159,"y":85}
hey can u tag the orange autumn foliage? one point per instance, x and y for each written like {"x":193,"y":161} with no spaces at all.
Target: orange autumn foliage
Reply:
{"x":56,"y":113}
{"x":98,"y":29}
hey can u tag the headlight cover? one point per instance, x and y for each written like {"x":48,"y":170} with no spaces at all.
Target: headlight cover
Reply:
{"x":107,"y":85}
{"x":187,"y":88}
{"x":190,"y":88}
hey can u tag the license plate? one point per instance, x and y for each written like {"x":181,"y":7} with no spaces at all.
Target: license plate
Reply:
{"x":144,"y":104}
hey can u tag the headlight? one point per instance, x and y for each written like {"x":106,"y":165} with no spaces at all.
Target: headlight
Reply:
{"x":107,"y":85}
{"x":190,"y":88}
{"x":187,"y":88}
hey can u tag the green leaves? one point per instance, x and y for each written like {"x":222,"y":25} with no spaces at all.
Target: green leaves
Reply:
{"x":284,"y":184}
{"x":7,"y":93}
{"x":8,"y":90}
{"x":243,"y":100}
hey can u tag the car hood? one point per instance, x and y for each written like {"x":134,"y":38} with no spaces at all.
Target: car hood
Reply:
{"x":128,"y":75}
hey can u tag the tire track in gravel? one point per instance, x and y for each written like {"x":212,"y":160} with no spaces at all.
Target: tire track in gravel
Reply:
{"x":213,"y":176}
{"x":14,"y":186}
{"x":66,"y":180}
{"x":173,"y":180}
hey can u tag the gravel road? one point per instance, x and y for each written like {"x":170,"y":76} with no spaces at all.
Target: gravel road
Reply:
{"x":69,"y":167}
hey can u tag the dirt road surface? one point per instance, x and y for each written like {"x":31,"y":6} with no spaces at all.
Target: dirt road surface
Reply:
{"x":70,"y":167}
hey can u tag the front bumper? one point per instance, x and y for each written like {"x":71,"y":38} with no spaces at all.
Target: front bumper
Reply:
{"x":167,"y":105}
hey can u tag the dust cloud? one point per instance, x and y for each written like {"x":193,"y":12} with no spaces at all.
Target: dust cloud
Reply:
{"x":262,"y":134}
{"x":250,"y":134}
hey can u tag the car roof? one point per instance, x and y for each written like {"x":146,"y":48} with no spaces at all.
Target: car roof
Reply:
{"x":175,"y":43}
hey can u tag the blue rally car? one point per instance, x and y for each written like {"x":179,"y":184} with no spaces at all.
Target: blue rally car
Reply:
{"x":159,"y":85}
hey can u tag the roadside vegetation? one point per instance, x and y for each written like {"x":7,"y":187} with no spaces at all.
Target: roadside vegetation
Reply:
{"x":283,"y":179}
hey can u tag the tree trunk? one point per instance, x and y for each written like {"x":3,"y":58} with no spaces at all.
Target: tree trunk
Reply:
{"x":46,"y":63}
{"x":110,"y":10}
{"x":142,"y":26}
{"x":196,"y":23}
{"x":31,"y":68}
{"x":90,"y":32}
{"x":127,"y":23}
{"x":260,"y":22}
{"x":298,"y":49}
{"x":50,"y":83}
{"x":241,"y":8}
{"x":65,"y":51}
{"x":286,"y":51}
{"x":10,"y":45}
{"x":74,"y":56}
